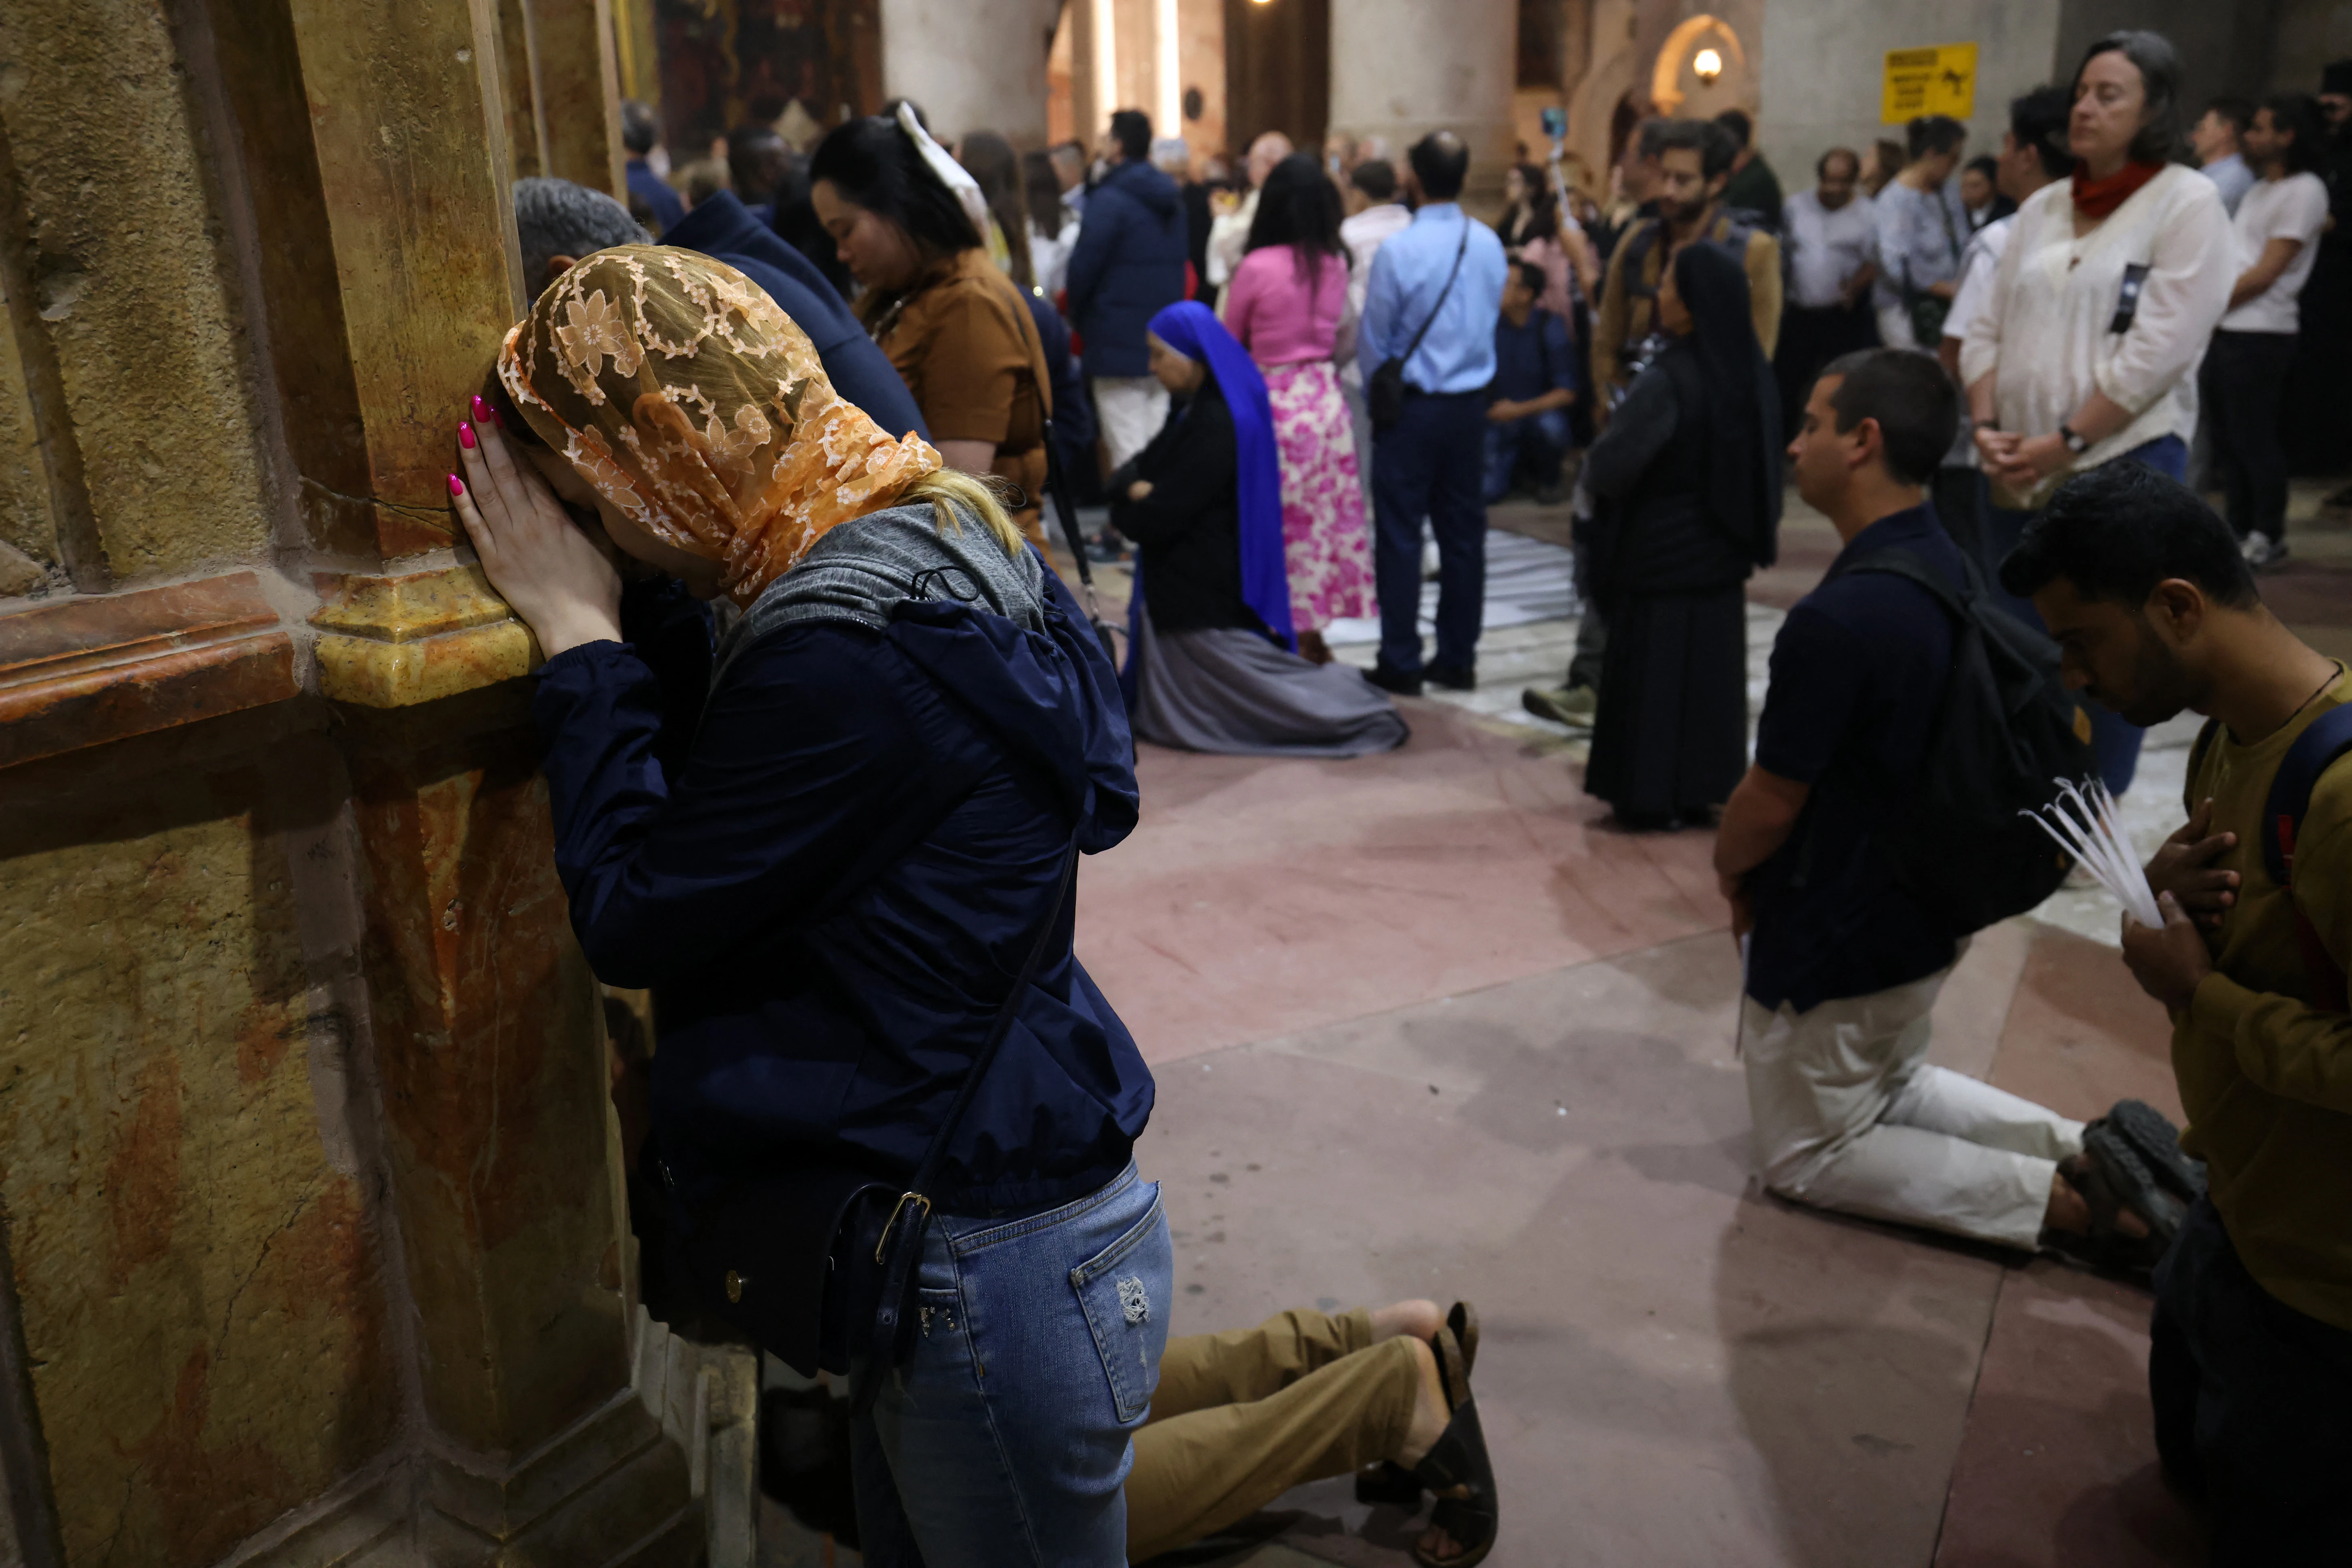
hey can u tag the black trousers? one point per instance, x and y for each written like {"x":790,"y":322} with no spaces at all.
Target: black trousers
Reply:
{"x":2243,"y":387}
{"x":2253,"y":1406}
{"x":1810,"y":339}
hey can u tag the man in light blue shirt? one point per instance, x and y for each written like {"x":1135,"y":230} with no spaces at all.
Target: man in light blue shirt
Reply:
{"x":2216,"y":140}
{"x":1429,"y":463}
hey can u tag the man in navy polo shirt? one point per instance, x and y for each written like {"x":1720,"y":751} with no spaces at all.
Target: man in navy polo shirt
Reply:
{"x":1843,"y":963}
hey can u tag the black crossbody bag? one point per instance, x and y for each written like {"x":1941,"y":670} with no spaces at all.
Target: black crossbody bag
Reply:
{"x":818,"y":1266}
{"x":1384,"y":393}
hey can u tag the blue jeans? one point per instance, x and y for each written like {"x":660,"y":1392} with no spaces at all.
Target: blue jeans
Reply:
{"x":1542,"y":438}
{"x":2115,"y":741}
{"x":1007,"y":1437}
{"x":1429,"y":464}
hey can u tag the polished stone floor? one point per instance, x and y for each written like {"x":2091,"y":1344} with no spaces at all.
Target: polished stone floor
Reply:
{"x":1426,"y":1024}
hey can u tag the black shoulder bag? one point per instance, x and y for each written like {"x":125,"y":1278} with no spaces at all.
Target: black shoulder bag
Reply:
{"x":1384,"y":393}
{"x":819,"y":1264}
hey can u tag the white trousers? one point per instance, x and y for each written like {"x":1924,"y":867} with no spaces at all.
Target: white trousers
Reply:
{"x":1850,"y":1116}
{"x":1130,"y":409}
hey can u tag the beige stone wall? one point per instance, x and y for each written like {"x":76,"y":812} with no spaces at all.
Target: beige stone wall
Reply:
{"x":314,"y":1242}
{"x":126,"y":275}
{"x":198,"y":1273}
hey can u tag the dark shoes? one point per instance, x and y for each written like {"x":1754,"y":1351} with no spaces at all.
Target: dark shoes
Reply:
{"x":2131,"y":1162}
{"x":1452,"y":676}
{"x":1393,"y":681}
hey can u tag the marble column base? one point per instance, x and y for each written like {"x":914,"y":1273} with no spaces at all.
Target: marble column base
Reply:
{"x":664,"y":1476}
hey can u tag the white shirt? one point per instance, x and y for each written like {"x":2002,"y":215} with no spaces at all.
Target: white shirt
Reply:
{"x":2044,"y":335}
{"x":1364,"y":235}
{"x":1826,"y":246}
{"x":1049,"y":254}
{"x":1227,"y":235}
{"x":2292,"y":208}
{"x":1980,"y":264}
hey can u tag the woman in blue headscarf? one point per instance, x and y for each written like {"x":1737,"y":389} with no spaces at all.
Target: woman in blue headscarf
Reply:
{"x":1213,"y":665}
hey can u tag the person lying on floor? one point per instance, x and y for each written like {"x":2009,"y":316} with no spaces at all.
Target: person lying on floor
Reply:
{"x":1241,"y":1418}
{"x":1213,"y":665}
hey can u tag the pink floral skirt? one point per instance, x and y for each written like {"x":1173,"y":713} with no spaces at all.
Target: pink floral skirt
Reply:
{"x":1324,"y":541}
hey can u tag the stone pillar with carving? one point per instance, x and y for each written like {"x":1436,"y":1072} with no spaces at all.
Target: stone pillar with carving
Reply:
{"x":1401,"y":68}
{"x":315,"y":1250}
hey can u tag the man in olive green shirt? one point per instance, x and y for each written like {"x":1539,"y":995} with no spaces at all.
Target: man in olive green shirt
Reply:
{"x":2251,"y":1370}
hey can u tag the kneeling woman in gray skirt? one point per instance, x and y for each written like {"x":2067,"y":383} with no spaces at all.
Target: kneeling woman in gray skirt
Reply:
{"x":1213,"y":665}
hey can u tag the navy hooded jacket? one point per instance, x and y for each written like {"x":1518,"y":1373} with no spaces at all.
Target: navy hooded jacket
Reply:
{"x":724,"y":229}
{"x":1128,"y":266}
{"x":832,"y":892}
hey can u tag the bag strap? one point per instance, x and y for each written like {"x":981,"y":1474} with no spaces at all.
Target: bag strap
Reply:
{"x":2328,"y":738}
{"x":926,"y":1173}
{"x":1914,"y":568}
{"x":1058,"y":487}
{"x":1431,"y":320}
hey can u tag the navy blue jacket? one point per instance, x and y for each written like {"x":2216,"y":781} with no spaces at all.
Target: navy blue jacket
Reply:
{"x":1128,"y":266}
{"x":832,"y":894}
{"x":724,"y":229}
{"x":650,"y":188}
{"x":1073,"y":419}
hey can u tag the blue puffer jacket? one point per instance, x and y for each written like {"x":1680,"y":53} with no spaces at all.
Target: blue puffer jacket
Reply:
{"x":1128,"y":266}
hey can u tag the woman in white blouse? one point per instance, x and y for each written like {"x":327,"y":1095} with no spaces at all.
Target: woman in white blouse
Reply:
{"x":2108,"y":291}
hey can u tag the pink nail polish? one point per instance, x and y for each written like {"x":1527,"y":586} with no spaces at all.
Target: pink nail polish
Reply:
{"x":457,"y":486}
{"x":465,"y":435}
{"x":481,"y":409}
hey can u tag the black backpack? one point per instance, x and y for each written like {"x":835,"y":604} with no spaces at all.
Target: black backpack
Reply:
{"x":2005,"y":731}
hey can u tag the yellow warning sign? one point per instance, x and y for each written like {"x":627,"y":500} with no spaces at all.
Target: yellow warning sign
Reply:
{"x":1937,"y":81}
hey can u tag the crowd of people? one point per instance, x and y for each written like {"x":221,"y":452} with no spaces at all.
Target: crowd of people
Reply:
{"x":833,"y":392}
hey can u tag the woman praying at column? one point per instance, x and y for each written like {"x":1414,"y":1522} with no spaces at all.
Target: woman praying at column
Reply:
{"x":910,"y":731}
{"x":990,"y":159}
{"x":1288,"y":304}
{"x":908,"y":224}
{"x":1211,"y":667}
{"x":1688,"y":474}
{"x":2105,"y":298}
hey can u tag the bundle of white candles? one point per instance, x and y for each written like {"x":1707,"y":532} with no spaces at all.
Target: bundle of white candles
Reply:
{"x":2092,"y":837}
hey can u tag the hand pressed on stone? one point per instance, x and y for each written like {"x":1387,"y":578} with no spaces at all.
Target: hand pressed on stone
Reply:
{"x":2182,"y":866}
{"x":554,"y":575}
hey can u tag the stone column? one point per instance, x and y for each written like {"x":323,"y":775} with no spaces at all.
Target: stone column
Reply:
{"x":1401,"y":68}
{"x":973,"y":65}
{"x":315,"y":1241}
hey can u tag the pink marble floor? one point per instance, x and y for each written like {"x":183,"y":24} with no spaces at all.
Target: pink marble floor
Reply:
{"x":1423,"y":1026}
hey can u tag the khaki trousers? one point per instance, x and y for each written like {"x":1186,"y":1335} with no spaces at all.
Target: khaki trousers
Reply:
{"x":1851,"y":1115}
{"x":1241,"y":1418}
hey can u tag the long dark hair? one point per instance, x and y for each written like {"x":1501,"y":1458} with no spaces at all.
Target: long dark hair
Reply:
{"x":2299,"y":112}
{"x":1537,"y":216}
{"x":1300,"y":208}
{"x":989,"y":159}
{"x":873,"y":166}
{"x":1041,"y":192}
{"x":2158,"y":64}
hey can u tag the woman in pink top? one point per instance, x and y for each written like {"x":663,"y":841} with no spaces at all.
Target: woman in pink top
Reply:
{"x":1287,"y":303}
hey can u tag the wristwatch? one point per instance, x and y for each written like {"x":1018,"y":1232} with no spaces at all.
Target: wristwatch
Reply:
{"x":2076,"y":441}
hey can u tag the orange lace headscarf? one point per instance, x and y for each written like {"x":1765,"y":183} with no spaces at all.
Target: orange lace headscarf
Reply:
{"x":696,"y":406}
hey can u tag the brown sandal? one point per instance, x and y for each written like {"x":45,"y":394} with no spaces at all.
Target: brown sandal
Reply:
{"x":1456,"y":1464}
{"x":1389,"y":1482}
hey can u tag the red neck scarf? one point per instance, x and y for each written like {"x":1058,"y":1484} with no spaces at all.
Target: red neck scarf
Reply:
{"x":2094,"y":199}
